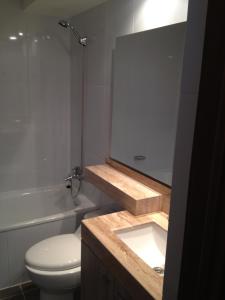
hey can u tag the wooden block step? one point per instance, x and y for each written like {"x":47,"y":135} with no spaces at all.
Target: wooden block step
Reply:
{"x":134,"y":196}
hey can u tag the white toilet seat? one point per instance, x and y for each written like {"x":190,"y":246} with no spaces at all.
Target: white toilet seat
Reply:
{"x":54,"y":265}
{"x":53,"y":273}
{"x":58,"y":253}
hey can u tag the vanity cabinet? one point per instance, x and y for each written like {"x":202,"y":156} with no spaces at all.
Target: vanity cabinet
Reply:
{"x":109,"y":268}
{"x":97,"y":282}
{"x":120,"y":292}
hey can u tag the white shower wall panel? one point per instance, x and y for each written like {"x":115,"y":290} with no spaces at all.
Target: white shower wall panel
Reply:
{"x":34,"y":99}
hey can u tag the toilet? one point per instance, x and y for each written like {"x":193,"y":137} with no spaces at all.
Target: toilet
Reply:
{"x":54,"y":265}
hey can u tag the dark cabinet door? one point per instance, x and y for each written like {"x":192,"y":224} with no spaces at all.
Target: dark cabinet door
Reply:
{"x":96,"y":282}
{"x":106,"y":284}
{"x":120,"y":293}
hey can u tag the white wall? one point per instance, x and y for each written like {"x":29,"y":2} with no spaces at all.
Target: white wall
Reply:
{"x":102,"y":25}
{"x":34,"y":119}
{"x":34,"y":100}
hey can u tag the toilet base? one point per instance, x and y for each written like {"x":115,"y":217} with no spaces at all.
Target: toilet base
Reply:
{"x":62,"y":296}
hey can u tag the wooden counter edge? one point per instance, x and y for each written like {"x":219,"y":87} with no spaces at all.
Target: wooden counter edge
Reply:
{"x":136,"y":207}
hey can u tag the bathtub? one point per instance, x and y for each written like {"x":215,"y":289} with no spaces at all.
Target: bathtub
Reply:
{"x":27,"y":217}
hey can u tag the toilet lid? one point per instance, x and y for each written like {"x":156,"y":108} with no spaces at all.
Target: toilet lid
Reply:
{"x":58,"y":253}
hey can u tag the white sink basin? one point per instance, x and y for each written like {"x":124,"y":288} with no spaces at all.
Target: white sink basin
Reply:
{"x":148,"y":242}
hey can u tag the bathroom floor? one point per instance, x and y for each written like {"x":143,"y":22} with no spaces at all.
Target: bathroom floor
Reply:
{"x":32,"y":294}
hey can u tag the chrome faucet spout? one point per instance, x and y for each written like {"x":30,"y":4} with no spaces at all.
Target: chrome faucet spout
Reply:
{"x":76,"y":174}
{"x":69,"y":178}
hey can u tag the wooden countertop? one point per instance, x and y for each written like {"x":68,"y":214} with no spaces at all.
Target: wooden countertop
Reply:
{"x":104,"y":227}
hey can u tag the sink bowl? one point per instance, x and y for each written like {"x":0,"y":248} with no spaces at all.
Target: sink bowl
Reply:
{"x":148,"y":242}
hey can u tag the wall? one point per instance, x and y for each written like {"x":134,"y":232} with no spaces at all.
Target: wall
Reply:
{"x":183,"y":150}
{"x":34,"y":100}
{"x":34,"y":119}
{"x":102,"y":25}
{"x":26,"y":3}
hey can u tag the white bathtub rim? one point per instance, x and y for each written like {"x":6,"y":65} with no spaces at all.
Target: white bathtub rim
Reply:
{"x":83,"y":207}
{"x":32,"y":191}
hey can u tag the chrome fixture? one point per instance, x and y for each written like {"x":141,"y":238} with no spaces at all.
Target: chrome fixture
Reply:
{"x":81,"y":39}
{"x":75,"y":174}
{"x":159,"y":270}
{"x":139,"y":157}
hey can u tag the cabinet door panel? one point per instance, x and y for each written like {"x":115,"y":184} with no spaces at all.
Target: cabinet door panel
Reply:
{"x":120,"y":293}
{"x":106,"y":284}
{"x":97,"y":283}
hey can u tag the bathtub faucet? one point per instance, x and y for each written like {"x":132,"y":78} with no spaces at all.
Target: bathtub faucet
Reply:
{"x":75,"y":174}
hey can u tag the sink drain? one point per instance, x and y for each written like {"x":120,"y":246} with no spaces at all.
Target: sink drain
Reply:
{"x":159,"y":270}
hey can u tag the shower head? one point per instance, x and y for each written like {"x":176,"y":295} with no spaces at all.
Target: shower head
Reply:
{"x":64,"y":23}
{"x":81,"y":39}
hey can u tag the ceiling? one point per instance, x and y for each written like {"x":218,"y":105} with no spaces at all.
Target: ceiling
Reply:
{"x":59,"y":8}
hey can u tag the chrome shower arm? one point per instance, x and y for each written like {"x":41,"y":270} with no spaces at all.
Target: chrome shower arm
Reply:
{"x":81,"y":39}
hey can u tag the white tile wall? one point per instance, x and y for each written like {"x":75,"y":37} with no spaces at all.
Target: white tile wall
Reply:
{"x":34,"y":120}
{"x":75,"y":108}
{"x":102,"y":25}
{"x":150,"y":14}
{"x":96,"y":135}
{"x":34,"y":100}
{"x":120,"y":18}
{"x":4,"y":265}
